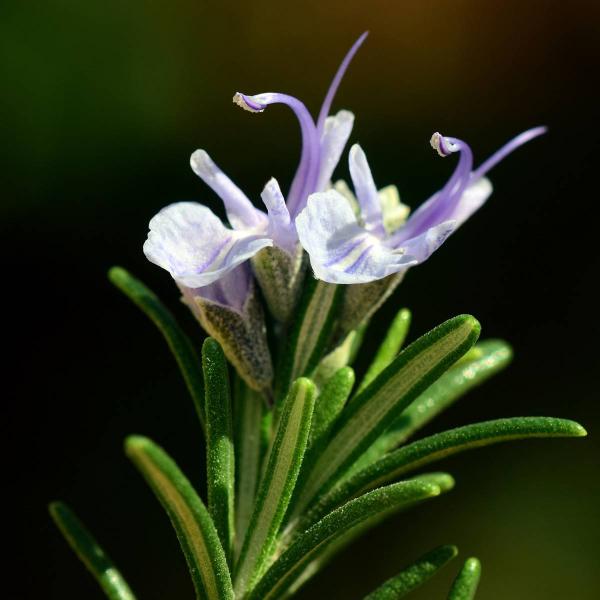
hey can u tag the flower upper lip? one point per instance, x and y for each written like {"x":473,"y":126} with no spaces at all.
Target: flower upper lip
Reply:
{"x":346,"y":248}
{"x":197,"y":249}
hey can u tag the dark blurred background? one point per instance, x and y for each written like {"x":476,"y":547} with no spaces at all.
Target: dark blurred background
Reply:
{"x":103,"y":103}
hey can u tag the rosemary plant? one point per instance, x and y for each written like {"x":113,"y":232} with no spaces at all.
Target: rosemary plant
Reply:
{"x":301,"y":457}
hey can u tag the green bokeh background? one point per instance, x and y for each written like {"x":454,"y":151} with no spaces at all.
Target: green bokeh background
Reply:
{"x":102,"y":104}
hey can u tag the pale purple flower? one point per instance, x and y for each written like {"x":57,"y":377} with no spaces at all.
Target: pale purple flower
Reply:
{"x":323,"y":141}
{"x":190,"y":241}
{"x":192,"y":244}
{"x":348,"y":248}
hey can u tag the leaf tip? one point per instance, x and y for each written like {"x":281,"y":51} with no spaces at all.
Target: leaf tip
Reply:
{"x":304,"y":385}
{"x":55,"y":508}
{"x":136,"y":443}
{"x":432,"y":489}
{"x":347,"y":374}
{"x":470,"y":322}
{"x":444,"y":481}
{"x":117,"y":274}
{"x":211,"y":345}
{"x":472,"y":566}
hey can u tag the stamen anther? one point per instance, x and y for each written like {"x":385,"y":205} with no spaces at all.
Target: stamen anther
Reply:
{"x":248,"y":103}
{"x":442,"y":145}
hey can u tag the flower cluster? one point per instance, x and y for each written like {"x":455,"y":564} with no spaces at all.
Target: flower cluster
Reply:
{"x":360,"y":237}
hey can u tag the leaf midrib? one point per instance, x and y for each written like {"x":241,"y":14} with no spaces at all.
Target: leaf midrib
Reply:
{"x":366,"y":417}
{"x":189,"y":524}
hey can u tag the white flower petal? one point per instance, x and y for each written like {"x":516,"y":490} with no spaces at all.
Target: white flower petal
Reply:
{"x":366,"y":190}
{"x":281,"y":230}
{"x":420,"y":248}
{"x":472,"y":199}
{"x":340,"y":249}
{"x":344,"y":189}
{"x":241,"y":213}
{"x":192,"y":243}
{"x":336,"y":132}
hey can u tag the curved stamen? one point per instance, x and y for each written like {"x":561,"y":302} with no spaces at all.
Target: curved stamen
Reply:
{"x":440,"y":207}
{"x":460,"y":178}
{"x":335,"y":83}
{"x":509,"y":147}
{"x":308,"y":170}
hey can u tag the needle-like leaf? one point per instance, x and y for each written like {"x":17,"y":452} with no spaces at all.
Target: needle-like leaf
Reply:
{"x":195,"y":529}
{"x":329,"y":404}
{"x":444,"y":481}
{"x":220,"y":469}
{"x":415,"y":575}
{"x":314,"y":319}
{"x":341,"y":356}
{"x":476,"y":366}
{"x":90,"y":553}
{"x":465,"y":584}
{"x":179,"y":343}
{"x":438,"y":446}
{"x":307,"y":546}
{"x":248,"y":411}
{"x":367,"y":415}
{"x":277,"y":484}
{"x":389,"y":348}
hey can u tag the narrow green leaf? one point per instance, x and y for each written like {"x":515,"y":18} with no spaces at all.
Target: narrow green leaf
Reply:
{"x":328,"y":407}
{"x":415,"y":575}
{"x":248,"y":418}
{"x":307,"y":547}
{"x":486,"y":359}
{"x":195,"y":529}
{"x":389,"y":347}
{"x":277,"y":484}
{"x":369,"y":414}
{"x":465,"y":584}
{"x":341,"y":356}
{"x":313,"y":325}
{"x":329,"y":404}
{"x":438,"y":446}
{"x":179,"y":343}
{"x":90,"y":553}
{"x":220,"y":460}
{"x":444,"y":481}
